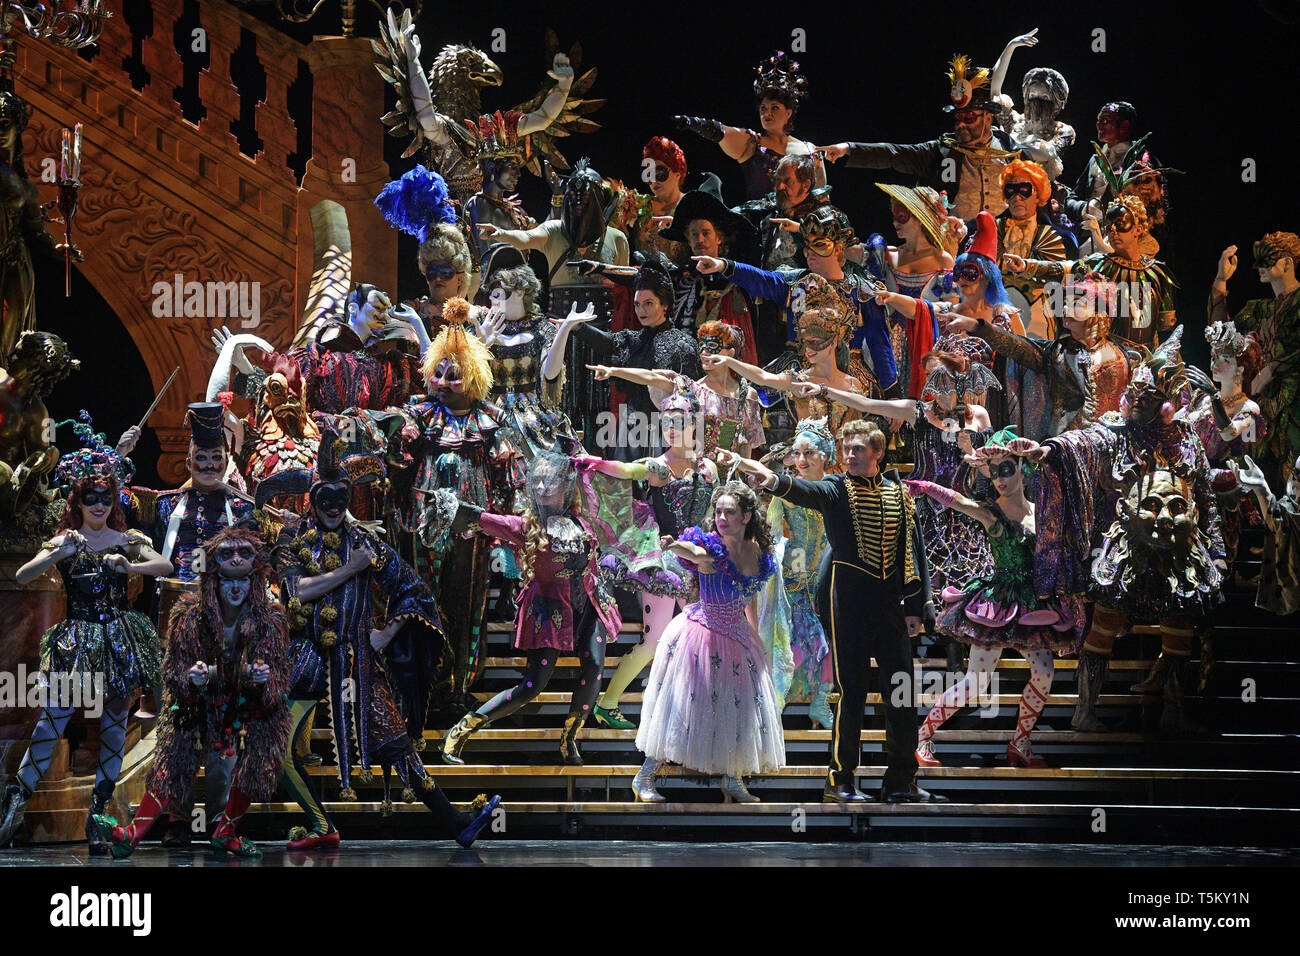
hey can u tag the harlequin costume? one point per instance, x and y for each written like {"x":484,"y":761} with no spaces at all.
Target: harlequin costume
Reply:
{"x":331,"y":655}
{"x":231,"y":713}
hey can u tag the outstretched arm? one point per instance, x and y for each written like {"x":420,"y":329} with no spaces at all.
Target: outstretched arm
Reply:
{"x":650,"y":378}
{"x":947,"y":498}
{"x":903,"y":409}
{"x":544,"y":115}
{"x":781,"y":383}
{"x":534,"y":238}
{"x":553,"y":361}
{"x":1004,"y":61}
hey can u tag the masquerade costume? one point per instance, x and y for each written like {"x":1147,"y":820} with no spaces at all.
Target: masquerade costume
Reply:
{"x":875,"y":580}
{"x":710,"y":704}
{"x":779,"y":78}
{"x":911,"y":337}
{"x":186,"y":519}
{"x":330,"y":651}
{"x":564,"y":605}
{"x":999,"y":609}
{"x":464,"y":452}
{"x":498,"y":147}
{"x":1065,"y":383}
{"x":660,"y":347}
{"x":977,"y":167}
{"x":230,"y":713}
{"x":1225,"y":408}
{"x":1086,"y":501}
{"x":728,"y":420}
{"x":1035,"y":237}
{"x":1145,"y":305}
{"x":102,"y":650}
{"x":865,"y":330}
{"x":527,"y":404}
{"x":707,"y":298}
{"x":956,"y":547}
{"x":1275,"y":324}
{"x":813,"y":675}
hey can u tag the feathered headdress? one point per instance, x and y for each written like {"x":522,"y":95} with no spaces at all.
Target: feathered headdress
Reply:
{"x":337,"y":461}
{"x":970,"y":87}
{"x":417,"y":201}
{"x":457,"y":343}
{"x":498,"y":135}
{"x":96,"y":458}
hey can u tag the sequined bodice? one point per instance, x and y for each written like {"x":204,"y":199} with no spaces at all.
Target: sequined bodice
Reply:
{"x":939,"y":458}
{"x":801,"y":563}
{"x":1013,"y":548}
{"x":723,"y":596}
{"x":95,"y":592}
{"x":681,"y":503}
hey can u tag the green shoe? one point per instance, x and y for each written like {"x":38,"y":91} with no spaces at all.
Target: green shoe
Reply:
{"x":120,"y":849}
{"x":612,"y":718}
{"x":236,"y":846}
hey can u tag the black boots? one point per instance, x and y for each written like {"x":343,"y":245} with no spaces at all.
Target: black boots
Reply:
{"x":1181,"y":681}
{"x":1090,"y":677}
{"x":12,"y":807}
{"x":99,"y":797}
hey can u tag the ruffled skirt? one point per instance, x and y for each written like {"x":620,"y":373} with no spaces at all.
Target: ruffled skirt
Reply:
{"x":983,"y":616}
{"x":710,"y":704}
{"x":124,"y":650}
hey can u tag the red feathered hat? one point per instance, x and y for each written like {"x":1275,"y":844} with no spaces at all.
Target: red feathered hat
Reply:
{"x":985,"y":242}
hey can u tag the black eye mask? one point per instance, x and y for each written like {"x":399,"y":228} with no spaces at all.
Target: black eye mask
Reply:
{"x":330,"y":499}
{"x":92,"y":498}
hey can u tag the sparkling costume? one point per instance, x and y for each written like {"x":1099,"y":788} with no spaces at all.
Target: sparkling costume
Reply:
{"x":710,"y":704}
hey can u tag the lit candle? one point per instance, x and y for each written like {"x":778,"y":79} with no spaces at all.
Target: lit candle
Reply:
{"x":76,"y":153}
{"x":64,"y":157}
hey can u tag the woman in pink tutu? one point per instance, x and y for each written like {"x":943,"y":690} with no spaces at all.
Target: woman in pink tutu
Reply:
{"x":710,"y":704}
{"x":1000,"y":609}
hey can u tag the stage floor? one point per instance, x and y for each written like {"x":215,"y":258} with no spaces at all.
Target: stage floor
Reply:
{"x":391,"y":853}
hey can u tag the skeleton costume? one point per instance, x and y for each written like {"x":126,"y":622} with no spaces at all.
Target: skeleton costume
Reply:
{"x":565,"y":605}
{"x":102,"y":648}
{"x":1094,"y":493}
{"x":231,"y":712}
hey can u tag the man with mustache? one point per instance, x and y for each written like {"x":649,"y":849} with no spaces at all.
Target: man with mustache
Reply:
{"x":226,"y":672}
{"x":183,"y":522}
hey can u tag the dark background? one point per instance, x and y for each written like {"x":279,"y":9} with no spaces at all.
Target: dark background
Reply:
{"x":1215,"y":88}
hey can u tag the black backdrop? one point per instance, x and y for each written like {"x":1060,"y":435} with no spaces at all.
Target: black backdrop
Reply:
{"x":1216,"y":89}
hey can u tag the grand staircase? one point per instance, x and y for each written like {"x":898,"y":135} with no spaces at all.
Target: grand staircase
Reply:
{"x":1238,"y":784}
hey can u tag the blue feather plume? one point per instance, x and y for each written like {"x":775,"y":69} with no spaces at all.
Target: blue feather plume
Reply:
{"x":416,"y":201}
